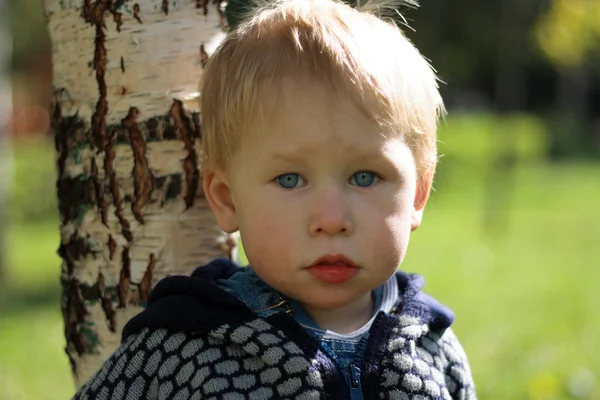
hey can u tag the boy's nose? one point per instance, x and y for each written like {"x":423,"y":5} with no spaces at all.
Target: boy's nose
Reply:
{"x":331,"y":216}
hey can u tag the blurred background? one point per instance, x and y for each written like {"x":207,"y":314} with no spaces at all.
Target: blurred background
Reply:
{"x":511,"y":238}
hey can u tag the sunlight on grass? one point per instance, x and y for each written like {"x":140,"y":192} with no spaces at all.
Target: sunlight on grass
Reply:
{"x":36,"y":263}
{"x":33,"y":364}
{"x":526,"y":294}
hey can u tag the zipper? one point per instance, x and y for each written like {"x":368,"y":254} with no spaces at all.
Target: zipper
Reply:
{"x":281,"y":303}
{"x":354,"y":382}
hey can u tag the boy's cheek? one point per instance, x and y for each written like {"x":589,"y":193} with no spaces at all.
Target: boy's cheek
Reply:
{"x":266,"y":232}
{"x":264,"y":248}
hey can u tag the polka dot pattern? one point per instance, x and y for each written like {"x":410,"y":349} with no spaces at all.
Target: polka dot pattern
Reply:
{"x":257,"y":361}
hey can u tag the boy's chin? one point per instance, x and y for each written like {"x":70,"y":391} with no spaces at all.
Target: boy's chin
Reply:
{"x":329,"y":301}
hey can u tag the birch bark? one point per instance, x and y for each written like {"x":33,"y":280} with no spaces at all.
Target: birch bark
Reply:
{"x":128,"y":148}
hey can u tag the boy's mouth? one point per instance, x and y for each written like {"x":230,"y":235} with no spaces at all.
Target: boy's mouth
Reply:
{"x":333,"y":269}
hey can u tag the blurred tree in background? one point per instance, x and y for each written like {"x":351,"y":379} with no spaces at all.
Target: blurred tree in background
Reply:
{"x":569,"y":33}
{"x":569,"y":36}
{"x":5,"y":116}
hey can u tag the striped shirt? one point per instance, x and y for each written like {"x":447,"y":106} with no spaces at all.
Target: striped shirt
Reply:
{"x":346,"y":348}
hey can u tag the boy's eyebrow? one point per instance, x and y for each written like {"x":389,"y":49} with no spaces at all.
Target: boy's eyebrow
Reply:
{"x":357,"y":153}
{"x":288,"y":156}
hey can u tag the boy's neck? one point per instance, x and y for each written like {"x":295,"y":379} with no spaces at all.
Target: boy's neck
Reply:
{"x":346,"y":319}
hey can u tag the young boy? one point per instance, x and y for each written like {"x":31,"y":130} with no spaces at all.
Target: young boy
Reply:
{"x":319,"y":148}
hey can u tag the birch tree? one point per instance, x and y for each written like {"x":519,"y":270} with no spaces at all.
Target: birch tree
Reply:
{"x":128,"y":134}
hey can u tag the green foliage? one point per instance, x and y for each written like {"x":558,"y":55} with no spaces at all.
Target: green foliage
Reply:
{"x":33,"y":192}
{"x":476,"y":138}
{"x":33,"y":363}
{"x":525,"y":296}
{"x":473,"y":144}
{"x":29,"y":33}
{"x":569,"y":32}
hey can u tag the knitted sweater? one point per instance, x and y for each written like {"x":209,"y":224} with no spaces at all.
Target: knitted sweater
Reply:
{"x":196,"y":341}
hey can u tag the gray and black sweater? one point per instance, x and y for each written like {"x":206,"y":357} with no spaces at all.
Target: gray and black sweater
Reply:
{"x":197,"y":341}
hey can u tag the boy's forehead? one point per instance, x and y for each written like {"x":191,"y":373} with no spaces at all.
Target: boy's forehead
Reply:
{"x":308,"y":117}
{"x":301,"y":102}
{"x":340,"y":147}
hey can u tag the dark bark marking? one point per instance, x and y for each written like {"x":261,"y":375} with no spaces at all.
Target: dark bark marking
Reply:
{"x":75,"y":194}
{"x":122,"y":134}
{"x":69,"y":134}
{"x":74,"y":315}
{"x":94,"y":15}
{"x":123,"y":90}
{"x":146,"y":284}
{"x":107,"y":306}
{"x":62,"y":128}
{"x":159,"y":182}
{"x":142,"y":176}
{"x":165,"y":7}
{"x":152,"y":129}
{"x":72,"y":361}
{"x":118,"y":4}
{"x":73,"y":305}
{"x":109,"y":157}
{"x":173,"y":187}
{"x":196,"y":120}
{"x":66,"y":270}
{"x":170,"y":133}
{"x":190,"y":164}
{"x":75,"y":197}
{"x":124,"y":278}
{"x":76,"y":249}
{"x":122,"y":65}
{"x":112,"y":247}
{"x":203,"y":56}
{"x":117,"y":17}
{"x":99,"y":190}
{"x":136,"y":13}
{"x":113,"y":183}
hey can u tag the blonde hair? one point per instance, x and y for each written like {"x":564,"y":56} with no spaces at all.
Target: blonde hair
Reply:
{"x":353,"y":51}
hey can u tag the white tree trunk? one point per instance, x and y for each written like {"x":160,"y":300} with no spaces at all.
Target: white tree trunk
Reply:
{"x":128,"y":140}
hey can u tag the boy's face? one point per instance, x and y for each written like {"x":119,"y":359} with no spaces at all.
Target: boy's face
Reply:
{"x":320,"y":183}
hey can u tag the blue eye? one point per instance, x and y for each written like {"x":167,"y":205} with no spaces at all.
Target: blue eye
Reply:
{"x":364,"y":178}
{"x":289,"y":181}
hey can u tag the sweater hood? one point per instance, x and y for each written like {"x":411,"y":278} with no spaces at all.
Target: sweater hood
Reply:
{"x":196,"y":304}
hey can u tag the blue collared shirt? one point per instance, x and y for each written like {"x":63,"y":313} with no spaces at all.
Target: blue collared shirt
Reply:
{"x":343,"y":348}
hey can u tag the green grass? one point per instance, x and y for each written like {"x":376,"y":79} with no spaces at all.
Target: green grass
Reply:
{"x":523,"y":286}
{"x":33,"y":364}
{"x":525,"y":293}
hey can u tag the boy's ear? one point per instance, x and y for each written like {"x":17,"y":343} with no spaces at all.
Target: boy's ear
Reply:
{"x":218,"y":193}
{"x":421,"y":197}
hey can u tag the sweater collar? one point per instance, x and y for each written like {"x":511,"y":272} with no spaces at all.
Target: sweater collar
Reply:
{"x":265,"y":301}
{"x":259,"y":297}
{"x":202,"y":302}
